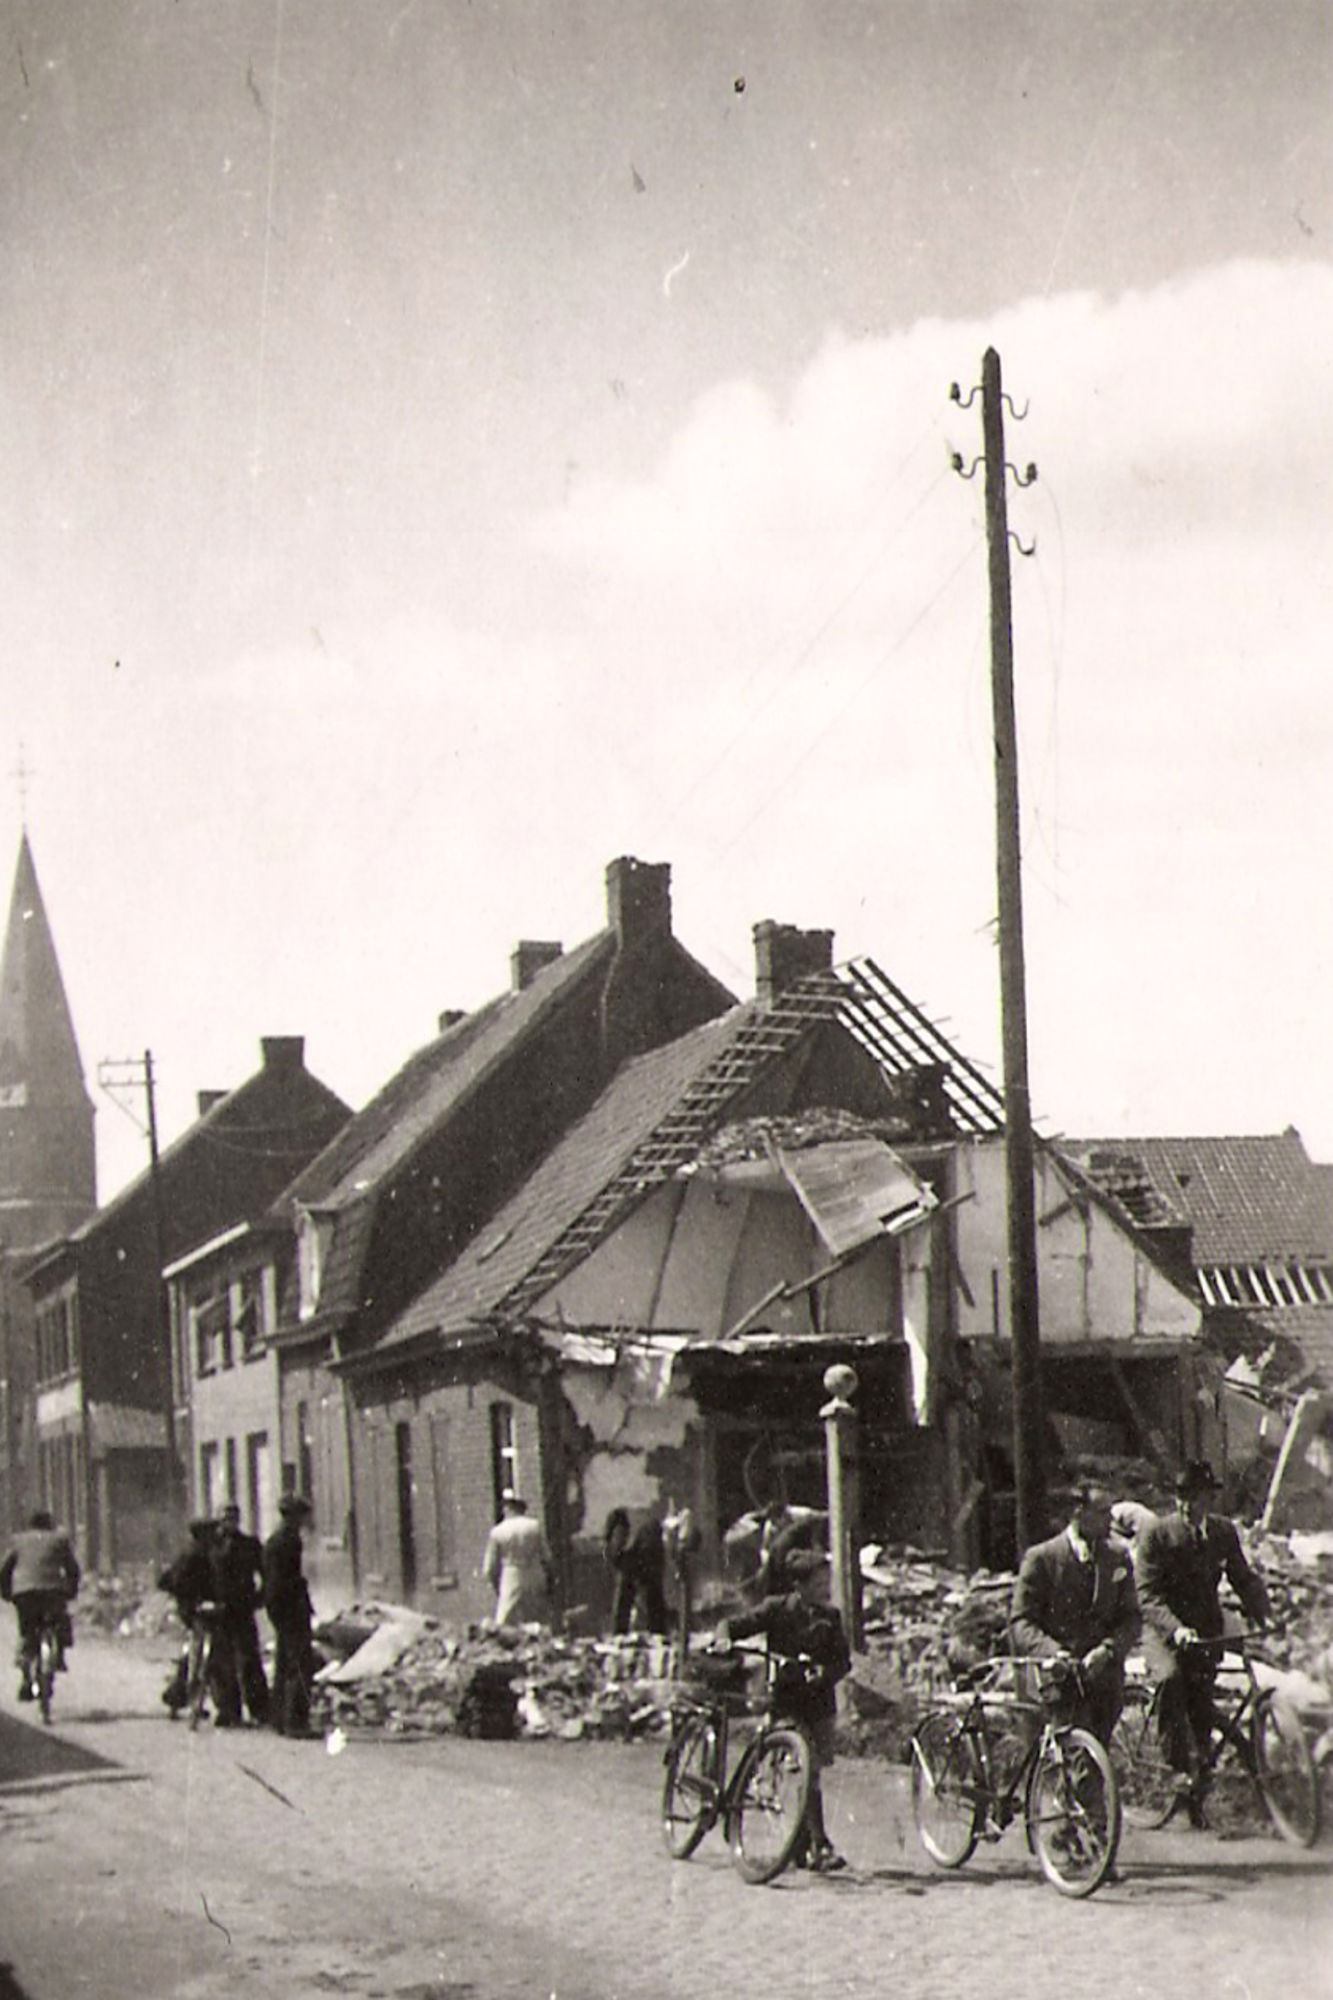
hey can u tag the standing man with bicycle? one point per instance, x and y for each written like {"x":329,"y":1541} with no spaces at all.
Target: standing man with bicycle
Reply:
{"x":237,"y":1564}
{"x":39,"y":1576}
{"x":1075,"y":1600}
{"x":805,"y":1632}
{"x":1180,"y":1560}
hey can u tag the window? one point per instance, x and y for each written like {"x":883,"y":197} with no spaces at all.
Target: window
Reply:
{"x":210,"y":1491}
{"x":305,"y":1457}
{"x":504,"y":1451}
{"x":211,"y":1319}
{"x":258,"y":1495}
{"x":248,"y":1313}
{"x":57,"y":1338}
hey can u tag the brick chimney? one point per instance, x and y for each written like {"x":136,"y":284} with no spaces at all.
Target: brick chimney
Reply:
{"x":282,"y":1051}
{"x":638,"y":899}
{"x":783,"y":954}
{"x":529,"y":957}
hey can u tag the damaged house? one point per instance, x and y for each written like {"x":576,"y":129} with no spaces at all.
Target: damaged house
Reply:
{"x":1248,"y":1223}
{"x":815,"y":1176}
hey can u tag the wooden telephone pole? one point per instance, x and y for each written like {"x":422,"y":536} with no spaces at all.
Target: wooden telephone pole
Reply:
{"x":1024,"y":1322}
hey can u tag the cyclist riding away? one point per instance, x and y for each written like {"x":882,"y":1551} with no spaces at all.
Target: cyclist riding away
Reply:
{"x":805,"y":1633}
{"x":39,"y":1576}
{"x":1180,"y":1561}
{"x":1075,"y":1600}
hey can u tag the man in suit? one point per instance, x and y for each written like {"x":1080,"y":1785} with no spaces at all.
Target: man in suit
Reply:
{"x":1180,"y":1559}
{"x":237,"y":1564}
{"x":1075,"y":1600}
{"x":287,"y":1598}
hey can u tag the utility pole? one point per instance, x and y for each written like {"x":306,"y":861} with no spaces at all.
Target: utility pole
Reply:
{"x":1021,"y":1235}
{"x":127,"y":1072}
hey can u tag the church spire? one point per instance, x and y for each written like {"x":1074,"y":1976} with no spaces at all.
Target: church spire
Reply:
{"x":47,"y":1159}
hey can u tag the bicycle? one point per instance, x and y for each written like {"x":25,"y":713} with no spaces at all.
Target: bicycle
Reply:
{"x":199,"y":1667}
{"x":1061,"y":1778}
{"x":761,"y":1801}
{"x":1254,"y":1739}
{"x":41,"y":1661}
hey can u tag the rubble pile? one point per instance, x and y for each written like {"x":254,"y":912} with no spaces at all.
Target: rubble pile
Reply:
{"x":492,"y":1682}
{"x":130,"y":1606}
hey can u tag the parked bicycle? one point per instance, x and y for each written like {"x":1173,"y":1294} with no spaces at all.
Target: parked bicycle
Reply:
{"x":41,"y":1661}
{"x":760,"y":1800}
{"x":1257,"y":1746}
{"x":991,"y":1750}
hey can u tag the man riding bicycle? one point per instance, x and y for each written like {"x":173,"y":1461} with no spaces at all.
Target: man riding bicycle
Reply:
{"x":39,"y":1576}
{"x":1180,"y":1561}
{"x":1074,"y":1600}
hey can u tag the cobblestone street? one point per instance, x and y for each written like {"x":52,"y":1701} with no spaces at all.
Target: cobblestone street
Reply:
{"x":143,"y":1861}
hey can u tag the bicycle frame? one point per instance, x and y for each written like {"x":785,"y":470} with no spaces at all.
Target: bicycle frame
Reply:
{"x":760,"y":1796}
{"x":1061,"y":1780}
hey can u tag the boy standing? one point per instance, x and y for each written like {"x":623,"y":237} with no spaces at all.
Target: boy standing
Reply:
{"x":802,"y":1627}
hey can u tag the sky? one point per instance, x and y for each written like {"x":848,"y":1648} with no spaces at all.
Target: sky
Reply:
{"x":449,"y":446}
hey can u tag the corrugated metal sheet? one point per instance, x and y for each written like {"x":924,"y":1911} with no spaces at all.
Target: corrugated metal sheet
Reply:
{"x":854,"y":1190}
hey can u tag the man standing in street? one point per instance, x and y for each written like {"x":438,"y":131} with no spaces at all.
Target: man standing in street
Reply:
{"x":1180,"y":1559}
{"x":517,"y":1564}
{"x":237,"y":1563}
{"x":287,"y":1598}
{"x":1075,"y":1600}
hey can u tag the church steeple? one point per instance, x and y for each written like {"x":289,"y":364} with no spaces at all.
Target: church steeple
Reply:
{"x":48,"y":1176}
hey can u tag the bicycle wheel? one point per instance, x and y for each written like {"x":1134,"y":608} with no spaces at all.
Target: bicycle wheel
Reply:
{"x":47,"y":1653}
{"x":1073,"y":1812}
{"x":689,"y":1790}
{"x":1285,"y":1774}
{"x":947,"y":1790}
{"x":768,"y":1801}
{"x":1146,"y":1780}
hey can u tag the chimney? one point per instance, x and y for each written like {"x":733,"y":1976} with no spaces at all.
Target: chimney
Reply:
{"x":283,"y":1051}
{"x":783,"y":954}
{"x":206,"y":1099}
{"x":529,"y":957}
{"x":638,"y":899}
{"x":450,"y":1018}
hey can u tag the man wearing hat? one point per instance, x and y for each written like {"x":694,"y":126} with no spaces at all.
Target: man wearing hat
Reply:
{"x":517,"y":1564}
{"x":287,"y":1601}
{"x":1181,"y":1559}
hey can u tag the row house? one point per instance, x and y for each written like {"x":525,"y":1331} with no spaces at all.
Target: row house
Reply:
{"x":374,"y":1217}
{"x":114,"y":1409}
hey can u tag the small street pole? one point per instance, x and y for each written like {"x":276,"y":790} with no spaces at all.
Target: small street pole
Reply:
{"x":1024,"y":1323}
{"x":840,"y":1425}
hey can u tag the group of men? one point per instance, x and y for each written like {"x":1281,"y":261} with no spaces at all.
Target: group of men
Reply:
{"x":223,"y":1576}
{"x":1112,"y":1580}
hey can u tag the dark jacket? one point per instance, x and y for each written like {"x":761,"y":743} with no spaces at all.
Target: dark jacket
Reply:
{"x":796,"y":1630}
{"x":39,"y":1559}
{"x":237,"y":1566}
{"x":1180,"y":1571}
{"x":1064,"y":1605}
{"x":189,"y":1579}
{"x":286,"y":1594}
